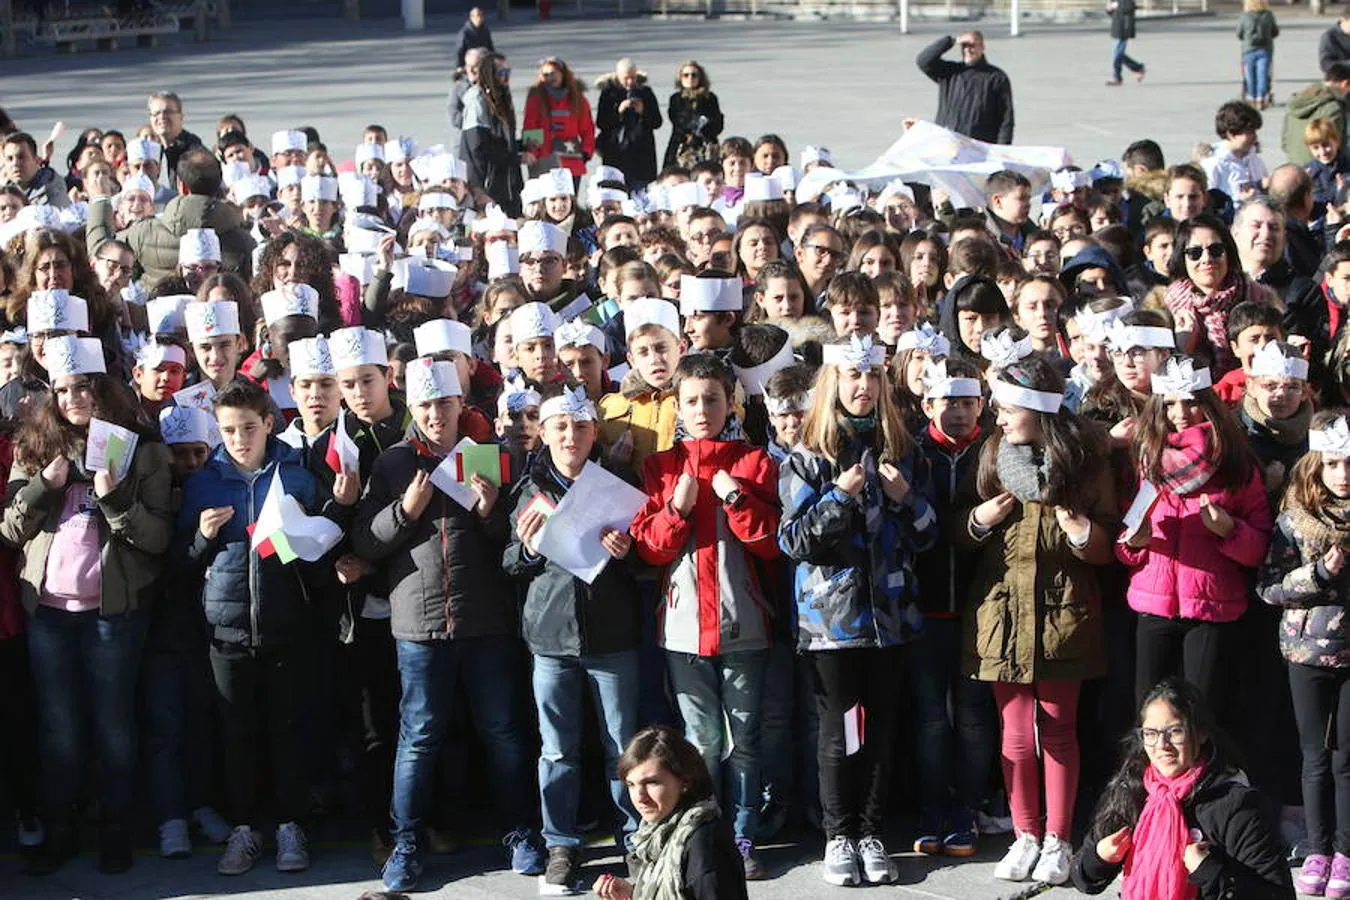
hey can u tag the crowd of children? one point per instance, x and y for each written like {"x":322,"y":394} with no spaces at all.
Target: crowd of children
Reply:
{"x":912,"y":491}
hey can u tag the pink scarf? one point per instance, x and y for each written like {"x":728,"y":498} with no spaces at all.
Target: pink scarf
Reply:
{"x":1154,"y":869}
{"x":1211,"y":314}
{"x":1186,"y":463}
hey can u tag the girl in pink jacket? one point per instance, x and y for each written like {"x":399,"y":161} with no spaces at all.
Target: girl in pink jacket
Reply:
{"x":1193,"y":559}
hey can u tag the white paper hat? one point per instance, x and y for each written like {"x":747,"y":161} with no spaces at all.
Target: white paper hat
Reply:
{"x":710,"y":295}
{"x":532,"y":320}
{"x":1107,"y":168}
{"x":1068,"y":182}
{"x":142,"y":149}
{"x":367,"y":151}
{"x":357,"y":346}
{"x":434,"y":200}
{"x":440,"y":168}
{"x":1270,"y":362}
{"x":289,"y":175}
{"x":786,"y":176}
{"x":494,"y":221}
{"x":687,"y":193}
{"x":311,"y":356}
{"x":357,"y":190}
{"x":290,"y":300}
{"x":70,"y":355}
{"x":938,"y":384}
{"x":651,"y":311}
{"x":424,"y":225}
{"x":165,"y":314}
{"x":925,"y":337}
{"x":753,"y":378}
{"x":1333,"y":440}
{"x":442,"y":336}
{"x":816,"y":155}
{"x":184,"y":425}
{"x":503,"y":258}
{"x":1124,"y":337}
{"x":56,"y":310}
{"x":542,"y":237}
{"x":599,"y":195}
{"x":895,"y":188}
{"x":610,"y":174}
{"x":515,"y":396}
{"x":15,"y":336}
{"x":232,"y":172}
{"x":762,"y":188}
{"x":428,"y":380}
{"x":137,"y":182}
{"x":398,"y":150}
{"x":285,"y":141}
{"x":1096,"y":326}
{"x":152,"y":355}
{"x":360,"y":266}
{"x":245,"y":189}
{"x":426,"y":278}
{"x":859,"y":353}
{"x":362,"y":240}
{"x":319,"y":187}
{"x":199,"y":245}
{"x":531,"y":192}
{"x":1180,"y":378}
{"x":843,"y":198}
{"x":211,"y":319}
{"x":557,"y":183}
{"x":1010,"y":394}
{"x":577,"y":333}
{"x":1002,"y":351}
{"x":571,"y":402}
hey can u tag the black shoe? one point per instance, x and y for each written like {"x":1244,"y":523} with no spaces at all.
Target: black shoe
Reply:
{"x":60,"y":848}
{"x":772,"y":817}
{"x":562,"y":866}
{"x":114,"y":850}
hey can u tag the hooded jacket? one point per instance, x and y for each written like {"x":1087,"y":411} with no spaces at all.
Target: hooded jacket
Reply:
{"x":974,"y":100}
{"x":1316,"y":101}
{"x":627,"y":140}
{"x":644,"y":411}
{"x":1333,"y":47}
{"x":155,"y":240}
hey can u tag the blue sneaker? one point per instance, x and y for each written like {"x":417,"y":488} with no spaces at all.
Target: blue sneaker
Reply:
{"x":403,"y":868}
{"x":528,"y":856}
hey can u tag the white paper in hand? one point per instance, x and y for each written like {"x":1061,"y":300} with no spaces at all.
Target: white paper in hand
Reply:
{"x":854,"y":727}
{"x":109,"y":448}
{"x":596,"y":500}
{"x":1138,"y":512}
{"x":444,"y":477}
{"x":199,"y":396}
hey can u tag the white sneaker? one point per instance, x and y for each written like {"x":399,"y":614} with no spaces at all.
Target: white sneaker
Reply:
{"x":1053,"y":866}
{"x":292,"y":848}
{"x":1020,"y":859}
{"x":174,"y":842}
{"x":30,"y":832}
{"x":240,"y":852}
{"x":211,"y":824}
{"x":878,"y":867}
{"x":841,"y":862}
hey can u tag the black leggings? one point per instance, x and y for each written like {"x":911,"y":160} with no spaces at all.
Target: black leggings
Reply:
{"x":1197,"y":651}
{"x":1321,"y":703}
{"x":853,"y":789}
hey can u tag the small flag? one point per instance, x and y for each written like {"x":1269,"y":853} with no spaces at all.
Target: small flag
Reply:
{"x":342,"y":454}
{"x":276,"y":545}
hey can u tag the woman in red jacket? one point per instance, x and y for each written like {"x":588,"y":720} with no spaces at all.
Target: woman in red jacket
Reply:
{"x":558,"y":130}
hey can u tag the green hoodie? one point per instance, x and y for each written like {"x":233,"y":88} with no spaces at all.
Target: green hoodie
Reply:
{"x":1318,"y":101}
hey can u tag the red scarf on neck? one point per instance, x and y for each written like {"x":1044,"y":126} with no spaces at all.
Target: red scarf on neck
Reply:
{"x":1154,"y":869}
{"x":951,"y":444}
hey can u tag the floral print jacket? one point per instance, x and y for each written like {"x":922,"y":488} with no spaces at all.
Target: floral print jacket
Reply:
{"x":1313,"y":627}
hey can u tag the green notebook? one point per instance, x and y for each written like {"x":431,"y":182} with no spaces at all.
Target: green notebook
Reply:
{"x":479,"y":459}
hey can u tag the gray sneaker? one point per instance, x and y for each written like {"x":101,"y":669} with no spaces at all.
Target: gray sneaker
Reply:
{"x":292,"y":848}
{"x":241,"y":851}
{"x":841,"y":862}
{"x":174,"y":842}
{"x":877,"y":865}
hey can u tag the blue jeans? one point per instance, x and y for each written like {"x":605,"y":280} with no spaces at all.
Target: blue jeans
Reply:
{"x":1256,"y":73}
{"x":178,"y":694}
{"x":714,"y":694}
{"x":1120,"y":58}
{"x":788,"y":725}
{"x":85,"y":666}
{"x":491,"y":669}
{"x":558,"y":686}
{"x":968,"y":744}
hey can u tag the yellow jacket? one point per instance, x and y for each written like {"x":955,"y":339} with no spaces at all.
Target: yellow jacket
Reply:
{"x":638,"y":408}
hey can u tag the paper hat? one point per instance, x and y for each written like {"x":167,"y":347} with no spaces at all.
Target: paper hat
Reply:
{"x":360,"y":266}
{"x":494,"y":220}
{"x":311,"y":356}
{"x":428,"y":380}
{"x":938,"y":384}
{"x":926,"y":338}
{"x":710,"y":295}
{"x":1107,"y":169}
{"x":542,"y":237}
{"x":424,"y":225}
{"x":753,"y":378}
{"x":366,"y":151}
{"x":357,"y":346}
{"x":434,"y":200}
{"x":816,"y":155}
{"x":1068,"y":181}
{"x":70,"y":355}
{"x":1180,"y":378}
{"x":443,"y":168}
{"x":154,"y":354}
{"x":859,"y":353}
{"x":843,"y":198}
{"x":290,"y":300}
{"x":531,"y":192}
{"x":245,"y":189}
{"x":285,"y":141}
{"x":232,"y":172}
{"x":651,"y":311}
{"x":657,"y":199}
{"x":577,"y":333}
{"x":608,"y":173}
{"x":399,"y":150}
{"x":15,"y":336}
{"x":786,"y":177}
{"x":1124,"y":337}
{"x":211,"y":319}
{"x":781,"y":406}
{"x":319,"y":187}
{"x":515,"y":396}
{"x":442,"y":336}
{"x":1015,"y":395}
{"x":198,"y":245}
{"x":532,"y":320}
{"x":571,"y":402}
{"x":687,"y":193}
{"x":1333,"y":440}
{"x":362,"y":240}
{"x":142,"y":149}
{"x":355,"y":189}
{"x":596,"y":196}
{"x":503,"y":258}
{"x":165,"y":314}
{"x":1270,"y":362}
{"x":56,"y":310}
{"x":185,"y":425}
{"x":431,"y":278}
{"x":1002,"y":351}
{"x":137,"y":182}
{"x":1096,"y":326}
{"x":896,"y":188}
{"x":762,"y":188}
{"x":557,"y":183}
{"x":289,"y":175}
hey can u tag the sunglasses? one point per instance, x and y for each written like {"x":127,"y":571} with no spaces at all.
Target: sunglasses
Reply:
{"x":503,"y":73}
{"x":1216,"y":251}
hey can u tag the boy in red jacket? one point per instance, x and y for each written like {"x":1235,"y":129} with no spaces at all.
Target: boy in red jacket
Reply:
{"x":712,"y":519}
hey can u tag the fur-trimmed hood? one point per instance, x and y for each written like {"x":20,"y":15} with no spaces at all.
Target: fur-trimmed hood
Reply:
{"x":634,"y":385}
{"x":1152,"y":184}
{"x":604,"y":82}
{"x":805,"y":329}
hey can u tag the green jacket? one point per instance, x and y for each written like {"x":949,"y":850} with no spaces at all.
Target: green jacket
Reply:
{"x":1317,"y":101}
{"x":155,"y":240}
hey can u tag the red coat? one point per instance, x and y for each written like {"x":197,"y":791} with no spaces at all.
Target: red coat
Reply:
{"x":714,"y":601}
{"x":559,"y":123}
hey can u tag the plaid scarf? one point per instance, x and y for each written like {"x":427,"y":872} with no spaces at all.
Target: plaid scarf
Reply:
{"x":1186,"y":465}
{"x":731,"y":431}
{"x":1211,"y":314}
{"x":1023,"y":469}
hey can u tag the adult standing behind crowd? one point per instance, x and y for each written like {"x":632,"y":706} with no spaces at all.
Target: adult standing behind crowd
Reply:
{"x":628,"y":118}
{"x":1257,"y":30}
{"x":489,"y":137}
{"x":974,"y":96}
{"x":558,"y":130}
{"x":1122,"y":31}
{"x":1324,"y":100}
{"x":695,"y":118}
{"x":166,"y":121}
{"x":473,"y":34}
{"x":459,"y":86}
{"x":1334,"y":47}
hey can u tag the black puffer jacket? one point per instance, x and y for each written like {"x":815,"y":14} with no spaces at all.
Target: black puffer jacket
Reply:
{"x":563,"y":615}
{"x":695,"y":125}
{"x":1122,"y":20}
{"x":974,"y":100}
{"x":627,"y":140}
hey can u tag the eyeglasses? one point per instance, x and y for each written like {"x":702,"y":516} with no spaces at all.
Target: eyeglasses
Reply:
{"x":115,"y":264}
{"x":55,"y":265}
{"x":1172,"y":734}
{"x":1216,"y":251}
{"x":503,"y":74}
{"x":690,"y":74}
{"x":165,"y":111}
{"x":542,"y":262}
{"x":704,"y":237}
{"x":1133,"y":354}
{"x":204,"y":268}
{"x":822,"y":250}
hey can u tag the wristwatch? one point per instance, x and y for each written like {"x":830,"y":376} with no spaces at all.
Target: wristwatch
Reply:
{"x":732,"y":498}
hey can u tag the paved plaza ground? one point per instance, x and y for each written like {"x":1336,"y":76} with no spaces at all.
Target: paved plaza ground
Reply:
{"x":847,"y":86}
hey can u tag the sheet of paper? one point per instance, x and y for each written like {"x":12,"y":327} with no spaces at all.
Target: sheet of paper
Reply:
{"x":109,"y":448}
{"x":280,"y":389}
{"x":292,"y":531}
{"x":855,"y":720}
{"x":1138,"y":512}
{"x":546,"y":508}
{"x":575,"y":308}
{"x":443,"y":477}
{"x":596,"y":500}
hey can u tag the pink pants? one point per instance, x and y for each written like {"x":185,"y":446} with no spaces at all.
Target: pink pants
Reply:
{"x":1053,"y":706}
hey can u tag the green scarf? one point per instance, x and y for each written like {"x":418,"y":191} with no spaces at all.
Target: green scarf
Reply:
{"x":660,"y":849}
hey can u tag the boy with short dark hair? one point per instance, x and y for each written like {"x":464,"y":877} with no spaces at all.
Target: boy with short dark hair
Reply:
{"x":1008,"y":202}
{"x":1251,"y":325}
{"x":1235,"y":168}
